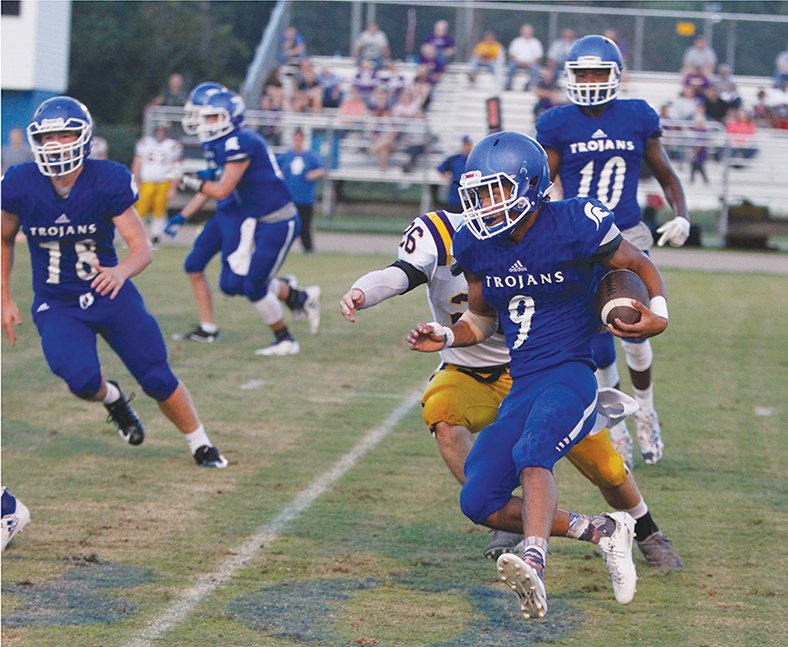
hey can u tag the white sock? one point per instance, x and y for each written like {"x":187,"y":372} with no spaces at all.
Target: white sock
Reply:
{"x":533,"y":544}
{"x":112,"y":395}
{"x":639,"y":510}
{"x":209,"y":327}
{"x":645,"y":398}
{"x":196,"y":439}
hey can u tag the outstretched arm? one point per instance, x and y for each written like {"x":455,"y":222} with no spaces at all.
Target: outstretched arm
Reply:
{"x":11,"y":318}
{"x":675,"y":231}
{"x":374,"y":287}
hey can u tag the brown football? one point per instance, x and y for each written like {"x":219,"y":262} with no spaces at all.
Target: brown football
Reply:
{"x":616,"y":291}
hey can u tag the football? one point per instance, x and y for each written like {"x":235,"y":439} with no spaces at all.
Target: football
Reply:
{"x":616,"y":291}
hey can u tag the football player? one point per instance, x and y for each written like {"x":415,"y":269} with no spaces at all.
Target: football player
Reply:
{"x":596,"y":145}
{"x":69,"y":207}
{"x":254,"y":225}
{"x":530,"y":267}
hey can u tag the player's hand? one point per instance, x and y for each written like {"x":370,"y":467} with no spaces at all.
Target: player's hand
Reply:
{"x":425,"y":339}
{"x":174,"y":225}
{"x":649,"y":325}
{"x":108,"y":281}
{"x":11,"y":320}
{"x":191,"y":182}
{"x":353,"y":300}
{"x":675,"y":232}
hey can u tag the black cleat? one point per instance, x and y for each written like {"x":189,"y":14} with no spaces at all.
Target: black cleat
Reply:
{"x":198,"y":335}
{"x":125,"y":419}
{"x":208,"y":456}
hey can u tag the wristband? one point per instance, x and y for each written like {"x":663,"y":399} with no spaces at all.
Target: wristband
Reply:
{"x":446,"y":331}
{"x":659,"y":306}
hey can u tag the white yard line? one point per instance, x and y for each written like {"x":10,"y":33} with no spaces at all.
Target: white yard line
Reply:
{"x":187,"y":601}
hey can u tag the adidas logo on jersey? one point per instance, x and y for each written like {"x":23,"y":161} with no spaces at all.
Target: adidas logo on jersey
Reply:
{"x":517,"y":266}
{"x":62,"y":220}
{"x":599,"y":134}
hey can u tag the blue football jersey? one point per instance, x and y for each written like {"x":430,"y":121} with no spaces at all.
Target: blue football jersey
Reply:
{"x":68,"y":236}
{"x":543,"y":287}
{"x":601,"y":156}
{"x":295,"y":166}
{"x":262,"y":189}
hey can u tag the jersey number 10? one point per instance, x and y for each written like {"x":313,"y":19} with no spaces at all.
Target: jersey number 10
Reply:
{"x":616,"y":169}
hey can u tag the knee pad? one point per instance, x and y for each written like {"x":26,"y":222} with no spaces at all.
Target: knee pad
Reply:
{"x":194,"y":263}
{"x":159,"y":382}
{"x":474,"y":504}
{"x":604,"y":349}
{"x":269,"y":308}
{"x":608,"y":376}
{"x":438,"y":406}
{"x":597,"y":460}
{"x":638,"y":354}
{"x":256,"y":289}
{"x":83,"y":386}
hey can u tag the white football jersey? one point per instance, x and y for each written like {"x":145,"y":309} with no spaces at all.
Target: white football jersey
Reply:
{"x":426,"y":245}
{"x":159,"y":160}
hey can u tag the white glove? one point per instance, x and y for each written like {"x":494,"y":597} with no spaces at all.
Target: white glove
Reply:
{"x":675,"y":232}
{"x":191,"y":182}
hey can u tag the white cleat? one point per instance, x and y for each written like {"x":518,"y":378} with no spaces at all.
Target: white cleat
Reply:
{"x":312,"y":307}
{"x":15,"y":517}
{"x":526,"y":584}
{"x":280,"y":348}
{"x":617,"y":553}
{"x":622,"y":443}
{"x":649,"y":436}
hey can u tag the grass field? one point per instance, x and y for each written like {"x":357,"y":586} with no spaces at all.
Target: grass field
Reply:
{"x":292,"y":546}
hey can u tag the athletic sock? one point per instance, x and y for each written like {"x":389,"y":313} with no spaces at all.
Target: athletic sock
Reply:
{"x":197,"y":439}
{"x":535,"y":551}
{"x":591,"y":528}
{"x":112,"y":395}
{"x":210,"y":328}
{"x":645,"y":527}
{"x":645,"y":398}
{"x":296,"y":299}
{"x":282,"y":334}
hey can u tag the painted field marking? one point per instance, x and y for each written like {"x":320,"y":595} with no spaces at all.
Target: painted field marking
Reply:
{"x":188,"y":600}
{"x":253,"y":384}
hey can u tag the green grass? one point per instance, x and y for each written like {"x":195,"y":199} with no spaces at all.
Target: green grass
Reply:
{"x":384,"y":557}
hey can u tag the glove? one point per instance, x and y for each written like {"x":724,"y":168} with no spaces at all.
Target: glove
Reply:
{"x":191,"y":182}
{"x":174,"y":224}
{"x":675,"y":232}
{"x":207,"y":174}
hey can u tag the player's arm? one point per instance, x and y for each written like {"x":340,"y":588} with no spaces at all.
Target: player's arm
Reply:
{"x":554,"y":164}
{"x":224,"y":186}
{"x":372,"y":288}
{"x":11,"y":317}
{"x":674,"y":231}
{"x":135,"y":168}
{"x":110,"y":280}
{"x":475,"y":325}
{"x":654,"y":315}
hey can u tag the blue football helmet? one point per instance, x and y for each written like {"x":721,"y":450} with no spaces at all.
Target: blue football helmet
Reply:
{"x":221,"y":114}
{"x":506,"y":178}
{"x":60,"y":114}
{"x":197,"y":97}
{"x":593,"y":52}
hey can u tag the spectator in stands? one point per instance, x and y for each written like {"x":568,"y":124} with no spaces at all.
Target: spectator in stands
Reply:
{"x":547,"y":91}
{"x":696,"y":79}
{"x":781,"y":68}
{"x":302,"y":169}
{"x":17,"y":150}
{"x":307,"y":93}
{"x":727,"y":86}
{"x":271,"y":130}
{"x":415,"y":139}
{"x":275,"y":89}
{"x":714,"y":106}
{"x":332,"y":88}
{"x":452,"y":169}
{"x":372,"y":44}
{"x":685,"y":105}
{"x":99,"y":148}
{"x":559,"y":48}
{"x":761,"y":112}
{"x":292,"y":47}
{"x":366,"y":80}
{"x":422,"y":86}
{"x":441,"y":41}
{"x":174,"y":94}
{"x":699,"y":151}
{"x":777,"y":100}
{"x":392,"y":80}
{"x":524,"y":54}
{"x":381,"y":135}
{"x":700,"y":55}
{"x":429,"y":58}
{"x":741,"y":132}
{"x":612,"y":34}
{"x":485,"y":55}
{"x":353,"y":110}
{"x":669,"y":132}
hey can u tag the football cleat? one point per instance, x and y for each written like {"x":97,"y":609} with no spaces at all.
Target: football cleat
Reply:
{"x":198,"y":335}
{"x":209,"y":456}
{"x":522,"y":577}
{"x":280,"y":348}
{"x":15,"y":517}
{"x":312,"y":307}
{"x":502,"y":542}
{"x":658,"y":551}
{"x":622,"y":443}
{"x":126,"y":421}
{"x":617,"y":553}
{"x":649,"y":436}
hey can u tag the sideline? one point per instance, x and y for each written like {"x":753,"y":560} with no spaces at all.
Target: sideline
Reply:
{"x":187,"y":601}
